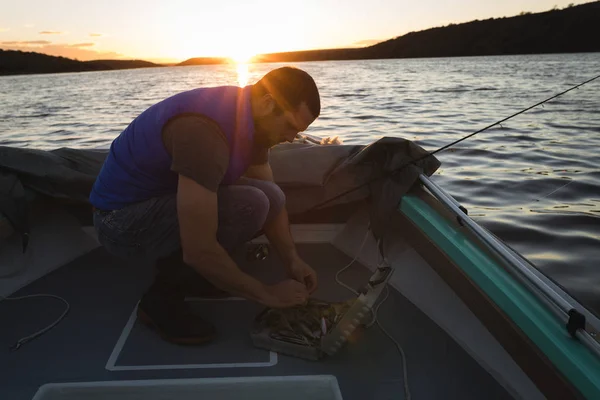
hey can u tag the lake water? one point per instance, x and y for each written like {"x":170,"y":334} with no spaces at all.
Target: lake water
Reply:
{"x":535,"y":181}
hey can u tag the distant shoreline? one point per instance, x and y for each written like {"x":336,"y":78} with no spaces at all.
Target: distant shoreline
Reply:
{"x":275,"y":62}
{"x":567,"y":31}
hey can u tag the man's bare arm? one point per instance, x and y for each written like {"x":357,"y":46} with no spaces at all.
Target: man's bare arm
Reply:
{"x":278,"y":233}
{"x":198,"y":222}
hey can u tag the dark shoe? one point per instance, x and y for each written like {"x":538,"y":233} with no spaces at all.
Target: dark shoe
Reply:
{"x":203,"y":289}
{"x":164,"y":309}
{"x":172,"y":269}
{"x":174,"y":323}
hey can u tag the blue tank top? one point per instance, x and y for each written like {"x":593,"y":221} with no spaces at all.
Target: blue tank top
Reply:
{"x":138,"y":167}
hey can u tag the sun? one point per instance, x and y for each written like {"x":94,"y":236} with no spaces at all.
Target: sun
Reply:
{"x":241,"y":56}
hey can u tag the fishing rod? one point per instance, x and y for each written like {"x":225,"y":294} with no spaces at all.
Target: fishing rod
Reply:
{"x":391,"y":173}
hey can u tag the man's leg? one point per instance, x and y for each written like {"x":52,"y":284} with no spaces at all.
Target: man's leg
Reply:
{"x":266,"y":198}
{"x":151,"y":230}
{"x":244,"y":209}
{"x":147,"y":230}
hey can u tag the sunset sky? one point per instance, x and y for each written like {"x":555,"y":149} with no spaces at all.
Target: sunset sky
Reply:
{"x":174,"y":30}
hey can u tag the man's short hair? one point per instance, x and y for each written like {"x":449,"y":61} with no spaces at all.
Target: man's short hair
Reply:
{"x":291,"y":86}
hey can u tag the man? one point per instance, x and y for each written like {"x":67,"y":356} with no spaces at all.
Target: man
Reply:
{"x":189,"y":180}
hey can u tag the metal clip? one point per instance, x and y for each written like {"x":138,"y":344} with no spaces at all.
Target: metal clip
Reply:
{"x":259,"y":252}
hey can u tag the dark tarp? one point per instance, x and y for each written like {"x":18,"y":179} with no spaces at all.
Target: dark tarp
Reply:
{"x":308,"y":173}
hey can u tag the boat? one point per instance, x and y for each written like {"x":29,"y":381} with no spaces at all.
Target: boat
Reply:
{"x":449,"y":310}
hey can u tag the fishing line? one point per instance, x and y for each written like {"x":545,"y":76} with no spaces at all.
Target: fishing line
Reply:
{"x":391,"y":173}
{"x":555,"y":190}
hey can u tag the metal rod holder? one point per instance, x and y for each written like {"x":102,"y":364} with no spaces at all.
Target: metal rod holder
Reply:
{"x":548,"y":296}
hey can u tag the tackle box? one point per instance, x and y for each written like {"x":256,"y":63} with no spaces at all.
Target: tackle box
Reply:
{"x":295,"y":331}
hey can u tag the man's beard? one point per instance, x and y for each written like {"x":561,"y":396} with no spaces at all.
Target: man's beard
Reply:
{"x":262,"y":138}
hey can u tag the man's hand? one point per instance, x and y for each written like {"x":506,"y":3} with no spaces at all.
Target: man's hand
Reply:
{"x":302,"y":272}
{"x":285,"y":294}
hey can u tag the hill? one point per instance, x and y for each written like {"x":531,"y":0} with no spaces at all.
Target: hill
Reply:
{"x":571,"y":30}
{"x":18,"y":62}
{"x":122,"y":64}
{"x":204,"y":61}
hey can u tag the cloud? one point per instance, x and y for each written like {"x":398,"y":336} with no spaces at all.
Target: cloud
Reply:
{"x":81,"y":45}
{"x":28,"y":42}
{"x":50,"y":33}
{"x":77,"y":51}
{"x":4,"y":29}
{"x":95,"y":34}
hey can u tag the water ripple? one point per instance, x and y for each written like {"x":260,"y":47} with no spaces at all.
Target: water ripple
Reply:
{"x":534,"y":181}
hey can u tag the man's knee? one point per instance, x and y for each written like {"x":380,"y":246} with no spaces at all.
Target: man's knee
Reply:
{"x":259,"y":202}
{"x":276,"y":199}
{"x":245,"y":209}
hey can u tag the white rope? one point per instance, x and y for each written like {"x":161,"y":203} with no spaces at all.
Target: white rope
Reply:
{"x":337,"y":279}
{"x":375,"y":319}
{"x":400,"y":349}
{"x":29,"y":338}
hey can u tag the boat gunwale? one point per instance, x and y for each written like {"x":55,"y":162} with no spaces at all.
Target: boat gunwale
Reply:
{"x":484,"y":302}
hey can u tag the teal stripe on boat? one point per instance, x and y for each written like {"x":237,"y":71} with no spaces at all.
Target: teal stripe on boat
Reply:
{"x":573,"y":359}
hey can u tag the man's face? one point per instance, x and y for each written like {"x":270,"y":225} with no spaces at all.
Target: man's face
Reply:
{"x":275,"y":128}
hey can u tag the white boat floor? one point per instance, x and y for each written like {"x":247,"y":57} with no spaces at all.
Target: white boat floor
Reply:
{"x":101,"y":340}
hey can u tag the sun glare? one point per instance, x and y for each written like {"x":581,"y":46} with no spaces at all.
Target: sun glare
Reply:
{"x":241,"y":56}
{"x":242,"y":74}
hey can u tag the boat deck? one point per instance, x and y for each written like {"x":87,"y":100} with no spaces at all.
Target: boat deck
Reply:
{"x":100,"y":339}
